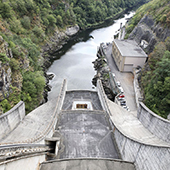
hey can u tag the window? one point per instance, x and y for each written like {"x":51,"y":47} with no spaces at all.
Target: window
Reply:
{"x":81,"y":106}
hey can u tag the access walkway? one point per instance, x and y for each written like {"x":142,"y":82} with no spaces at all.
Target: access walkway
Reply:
{"x":126,"y":80}
{"x":33,"y":125}
{"x":131,"y":127}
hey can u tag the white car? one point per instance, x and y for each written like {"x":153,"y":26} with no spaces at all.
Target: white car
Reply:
{"x":113,"y":74}
{"x":118,"y":83}
{"x":121,"y":89}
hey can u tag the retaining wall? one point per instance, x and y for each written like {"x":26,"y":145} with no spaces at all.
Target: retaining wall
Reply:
{"x":157,"y":125}
{"x":50,"y":129}
{"x":11,"y":119}
{"x":144,"y":156}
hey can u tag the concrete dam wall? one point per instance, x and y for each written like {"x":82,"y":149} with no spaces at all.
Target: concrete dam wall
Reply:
{"x":11,"y":119}
{"x":157,"y":125}
{"x":135,"y":142}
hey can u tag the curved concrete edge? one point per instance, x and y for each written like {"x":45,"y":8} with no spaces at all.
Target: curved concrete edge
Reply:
{"x":87,"y":164}
{"x":39,"y":123}
{"x":132,"y":128}
{"x":157,"y":125}
{"x":12,"y":109}
{"x":152,"y":113}
{"x":84,"y":158}
{"x":91,"y":91}
{"x":11,"y":119}
{"x":12,"y":152}
{"x":28,"y":162}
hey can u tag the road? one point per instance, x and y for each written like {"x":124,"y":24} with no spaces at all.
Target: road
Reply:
{"x":126,"y":80}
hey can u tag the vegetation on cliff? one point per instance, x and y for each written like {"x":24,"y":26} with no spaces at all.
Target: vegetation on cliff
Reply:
{"x":26,"y":25}
{"x":158,"y":9}
{"x":155,"y":76}
{"x":155,"y":79}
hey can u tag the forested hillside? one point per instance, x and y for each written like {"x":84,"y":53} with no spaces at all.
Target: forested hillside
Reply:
{"x":25,"y":26}
{"x":155,"y":77}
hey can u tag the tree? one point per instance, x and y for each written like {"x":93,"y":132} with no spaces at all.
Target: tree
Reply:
{"x":51,"y":19}
{"x":59,"y":20}
{"x":5,"y":10}
{"x":25,"y":21}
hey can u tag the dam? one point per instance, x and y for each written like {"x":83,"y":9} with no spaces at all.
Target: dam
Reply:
{"x":80,"y":130}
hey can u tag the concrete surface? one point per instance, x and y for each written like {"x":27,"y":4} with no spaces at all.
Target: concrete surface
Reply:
{"x":81,"y":95}
{"x":32,"y":125}
{"x":126,"y":80}
{"x":86,"y":134}
{"x":26,"y":163}
{"x":157,"y":125}
{"x":129,"y":48}
{"x":131,"y":127}
{"x":87,"y":164}
{"x":10,"y":120}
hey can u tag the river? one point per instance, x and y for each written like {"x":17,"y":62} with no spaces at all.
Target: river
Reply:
{"x":75,"y":64}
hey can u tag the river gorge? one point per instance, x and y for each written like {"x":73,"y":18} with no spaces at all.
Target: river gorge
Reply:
{"x":74,"y":61}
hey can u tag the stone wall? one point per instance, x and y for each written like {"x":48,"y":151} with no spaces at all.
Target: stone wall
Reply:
{"x":11,"y":119}
{"x":157,"y":125}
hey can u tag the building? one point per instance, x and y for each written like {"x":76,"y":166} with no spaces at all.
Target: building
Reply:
{"x":128,"y":55}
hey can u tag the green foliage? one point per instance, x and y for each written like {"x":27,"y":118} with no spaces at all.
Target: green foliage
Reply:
{"x":51,"y":20}
{"x":4,"y":58}
{"x":14,"y":64}
{"x":59,"y":20}
{"x":27,"y":24}
{"x":5,"y":105}
{"x":156,"y":82}
{"x":25,"y":21}
{"x":5,"y":10}
{"x":33,"y":86}
{"x":15,"y":26}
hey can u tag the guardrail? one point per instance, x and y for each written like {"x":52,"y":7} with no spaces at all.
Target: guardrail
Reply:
{"x":14,"y":151}
{"x":145,"y":156}
{"x":11,"y":119}
{"x":102,"y":96}
{"x":53,"y":121}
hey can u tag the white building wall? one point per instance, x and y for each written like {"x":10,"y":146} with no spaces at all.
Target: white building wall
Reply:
{"x":136,"y":61}
{"x":132,"y":62}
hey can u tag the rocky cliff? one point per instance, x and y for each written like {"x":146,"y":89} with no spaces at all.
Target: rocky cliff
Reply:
{"x":150,"y":31}
{"x":5,"y":70}
{"x":56,"y":42}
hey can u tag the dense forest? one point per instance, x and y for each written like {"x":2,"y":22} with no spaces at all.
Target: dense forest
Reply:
{"x":155,"y":78}
{"x":26,"y":25}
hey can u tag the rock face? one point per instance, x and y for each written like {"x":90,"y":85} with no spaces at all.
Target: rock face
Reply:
{"x":148,"y":30}
{"x":5,"y":70}
{"x":100,"y":65}
{"x":59,"y":38}
{"x":56,"y":42}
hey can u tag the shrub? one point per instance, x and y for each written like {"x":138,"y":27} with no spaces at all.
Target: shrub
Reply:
{"x":51,"y":19}
{"x":14,"y":64}
{"x":26,"y":22}
{"x":5,"y":105}
{"x":5,"y":10}
{"x":4,"y":58}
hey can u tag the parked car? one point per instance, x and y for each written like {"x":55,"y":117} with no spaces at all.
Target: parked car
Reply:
{"x":121,"y":96}
{"x":118,"y":84}
{"x":121,"y":89}
{"x":113,"y":74}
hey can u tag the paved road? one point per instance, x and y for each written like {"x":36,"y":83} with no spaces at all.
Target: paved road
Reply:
{"x":126,"y":80}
